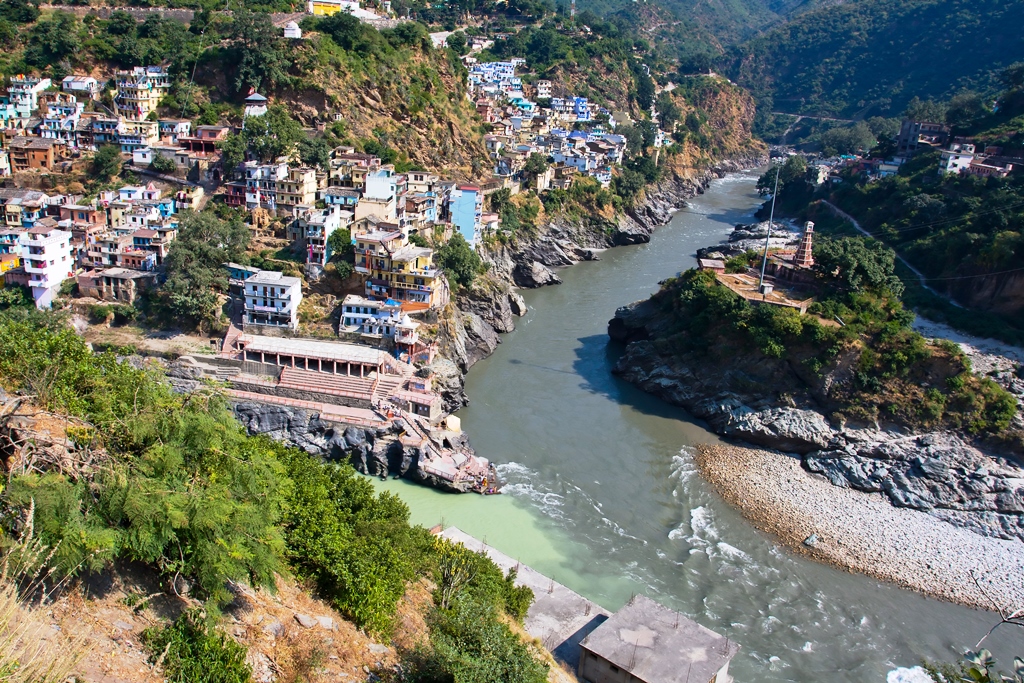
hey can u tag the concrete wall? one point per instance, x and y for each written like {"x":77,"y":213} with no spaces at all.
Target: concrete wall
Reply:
{"x":300,"y":395}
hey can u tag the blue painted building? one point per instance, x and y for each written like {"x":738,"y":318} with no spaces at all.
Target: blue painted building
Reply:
{"x":466,"y":202}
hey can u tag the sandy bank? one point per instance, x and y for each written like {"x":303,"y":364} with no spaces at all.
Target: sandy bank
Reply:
{"x":863,"y":532}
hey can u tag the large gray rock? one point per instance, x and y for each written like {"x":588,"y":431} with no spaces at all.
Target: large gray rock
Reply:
{"x":784,"y":428}
{"x":532,"y":274}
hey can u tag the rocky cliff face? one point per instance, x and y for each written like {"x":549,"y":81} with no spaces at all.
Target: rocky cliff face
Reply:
{"x":378,"y":452}
{"x":767,"y":402}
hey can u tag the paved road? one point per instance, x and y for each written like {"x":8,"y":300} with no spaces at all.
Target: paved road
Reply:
{"x":920,"y":276}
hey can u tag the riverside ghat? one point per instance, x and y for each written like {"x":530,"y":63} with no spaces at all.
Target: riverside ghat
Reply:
{"x":349,"y":402}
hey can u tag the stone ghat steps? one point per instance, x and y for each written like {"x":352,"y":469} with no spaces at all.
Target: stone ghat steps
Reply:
{"x":389,"y":384}
{"x":340,"y":385}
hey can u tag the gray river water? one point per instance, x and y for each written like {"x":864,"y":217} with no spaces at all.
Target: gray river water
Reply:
{"x":602,"y":494}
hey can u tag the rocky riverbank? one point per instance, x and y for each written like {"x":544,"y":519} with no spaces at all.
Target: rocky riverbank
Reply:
{"x":779,"y":403}
{"x":376,"y":452}
{"x":862,"y":531}
{"x":763,"y":401}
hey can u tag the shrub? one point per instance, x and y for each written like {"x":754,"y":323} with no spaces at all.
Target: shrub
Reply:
{"x":192,"y":652}
{"x":358,"y":547}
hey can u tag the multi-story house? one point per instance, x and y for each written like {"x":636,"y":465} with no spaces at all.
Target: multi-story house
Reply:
{"x":399,"y":271}
{"x":104,"y":252}
{"x":170,"y":130}
{"x":421,"y":181}
{"x":377,"y":319}
{"x":34,"y":153}
{"x":957,"y":158}
{"x":10,"y":241}
{"x":349,"y":168}
{"x":106,"y":130}
{"x":85,"y":87}
{"x":297,"y":188}
{"x":343,"y":197}
{"x":272,"y":299}
{"x":415,"y":280}
{"x":139,"y":91}
{"x":373,"y":249}
{"x":543,"y":90}
{"x":380,"y":196}
{"x":420,"y":211}
{"x":204,"y":142}
{"x":60,"y":123}
{"x":312,"y":229}
{"x":48,"y":261}
{"x":23,"y":91}
{"x":5,"y":163}
{"x":115,"y":284}
{"x":261,"y":184}
{"x":466,"y":206}
{"x":22,"y":208}
{"x":138,"y":193}
{"x":137,"y":134}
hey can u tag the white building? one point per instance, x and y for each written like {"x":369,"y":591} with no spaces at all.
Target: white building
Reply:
{"x":261,"y":184}
{"x":47,"y":255}
{"x":957,"y":158}
{"x":272,"y":299}
{"x":292,"y":30}
{"x":81,"y":86}
{"x":543,"y":90}
{"x":377,"y":319}
{"x":255,"y":105}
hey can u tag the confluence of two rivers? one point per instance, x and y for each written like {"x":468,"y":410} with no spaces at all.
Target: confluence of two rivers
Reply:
{"x":602,"y":494}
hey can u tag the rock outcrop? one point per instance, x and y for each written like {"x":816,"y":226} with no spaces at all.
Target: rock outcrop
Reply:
{"x":763,"y":402}
{"x":376,"y":452}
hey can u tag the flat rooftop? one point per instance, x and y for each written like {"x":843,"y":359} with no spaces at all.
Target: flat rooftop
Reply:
{"x":311,"y":348}
{"x":659,"y":645}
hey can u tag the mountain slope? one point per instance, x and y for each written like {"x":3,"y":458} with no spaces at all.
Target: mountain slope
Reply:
{"x":872,"y":56}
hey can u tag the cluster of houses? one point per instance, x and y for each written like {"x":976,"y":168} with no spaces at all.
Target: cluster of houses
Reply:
{"x":44,"y":126}
{"x":115,"y":241}
{"x":957,"y":155}
{"x":576,"y":135}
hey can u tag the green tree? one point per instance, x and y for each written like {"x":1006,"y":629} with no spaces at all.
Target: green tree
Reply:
{"x":472,"y":645}
{"x":925,"y":110}
{"x":857,"y":264}
{"x":668,"y":112}
{"x":121,"y":23}
{"x":272,"y":135}
{"x":107,"y":162}
{"x":457,"y":42}
{"x":458,"y":260}
{"x":793,"y":171}
{"x":19,"y":11}
{"x":1012,"y":76}
{"x":357,"y":546}
{"x":15,"y":296}
{"x":162,"y":164}
{"x":261,"y":58}
{"x":195,"y":275}
{"x":965,"y":109}
{"x":232,"y":149}
{"x":976,"y":667}
{"x":535,"y":165}
{"x":339,"y":244}
{"x":53,"y":40}
{"x":315,"y":152}
{"x":628,"y":183}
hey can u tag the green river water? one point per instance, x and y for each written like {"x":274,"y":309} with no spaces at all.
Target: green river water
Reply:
{"x":601,"y":493}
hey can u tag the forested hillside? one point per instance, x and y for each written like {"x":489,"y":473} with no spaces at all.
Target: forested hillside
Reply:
{"x":871,"y":57}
